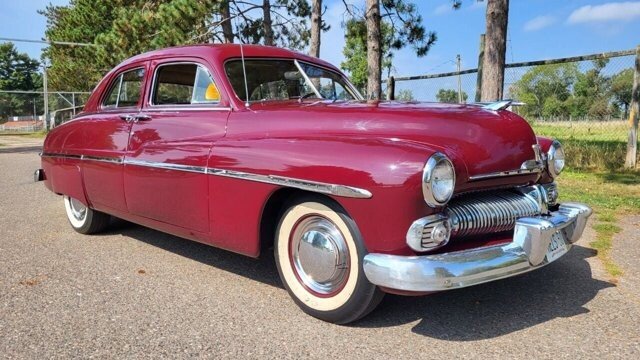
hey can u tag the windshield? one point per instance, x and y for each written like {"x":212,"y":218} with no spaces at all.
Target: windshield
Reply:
{"x":286,"y":79}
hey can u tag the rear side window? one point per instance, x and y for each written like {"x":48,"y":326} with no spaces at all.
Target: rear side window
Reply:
{"x":125,"y":90}
{"x":184,"y":84}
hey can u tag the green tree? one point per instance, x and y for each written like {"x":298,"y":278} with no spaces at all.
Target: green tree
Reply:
{"x":544,"y":82}
{"x":75,"y":68}
{"x":405,"y":95}
{"x":450,"y":96}
{"x":621,"y":86}
{"x":17,"y":72}
{"x":389,"y":25}
{"x":157,"y":24}
{"x":592,"y":90}
{"x":282,"y":23}
{"x":122,"y":28}
{"x":355,"y":51}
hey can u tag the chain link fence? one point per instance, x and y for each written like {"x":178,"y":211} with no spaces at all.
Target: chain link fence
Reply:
{"x":24,"y":111}
{"x":583,"y":101}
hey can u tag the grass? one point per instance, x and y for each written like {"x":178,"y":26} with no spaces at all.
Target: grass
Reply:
{"x":610,"y":195}
{"x":590,"y":145}
{"x":32,"y":135}
{"x":584,"y":130}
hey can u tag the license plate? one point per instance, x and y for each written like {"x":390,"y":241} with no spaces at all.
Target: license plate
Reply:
{"x":557,"y":247}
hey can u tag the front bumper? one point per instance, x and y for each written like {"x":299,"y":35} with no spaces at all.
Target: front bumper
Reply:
{"x":527,"y":251}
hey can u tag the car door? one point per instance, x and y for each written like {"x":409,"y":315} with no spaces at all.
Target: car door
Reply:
{"x":106,"y":137}
{"x":165,"y":166}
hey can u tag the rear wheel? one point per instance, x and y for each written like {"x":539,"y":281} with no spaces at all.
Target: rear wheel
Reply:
{"x":319,"y":253}
{"x":84,"y":219}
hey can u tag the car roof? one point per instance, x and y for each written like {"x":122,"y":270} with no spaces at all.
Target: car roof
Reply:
{"x":222,"y":52}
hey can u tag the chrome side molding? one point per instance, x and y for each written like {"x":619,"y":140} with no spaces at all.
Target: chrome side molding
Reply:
{"x":527,"y":167}
{"x":308,"y":185}
{"x":536,"y":165}
{"x":314,"y":186}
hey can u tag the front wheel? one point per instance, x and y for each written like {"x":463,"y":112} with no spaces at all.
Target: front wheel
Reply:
{"x":84,"y":219}
{"x":319,"y":253}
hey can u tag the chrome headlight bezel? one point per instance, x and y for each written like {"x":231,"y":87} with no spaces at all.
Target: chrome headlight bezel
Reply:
{"x":435,"y":160}
{"x":555,"y":153}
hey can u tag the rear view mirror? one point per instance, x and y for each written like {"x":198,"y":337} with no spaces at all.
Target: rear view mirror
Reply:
{"x":292,"y":75}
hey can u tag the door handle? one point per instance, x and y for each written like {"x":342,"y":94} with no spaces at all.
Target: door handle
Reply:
{"x":127,"y":117}
{"x":141,"y":117}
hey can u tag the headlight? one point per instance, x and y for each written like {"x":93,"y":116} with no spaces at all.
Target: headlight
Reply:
{"x":438,"y":180}
{"x":555,"y":159}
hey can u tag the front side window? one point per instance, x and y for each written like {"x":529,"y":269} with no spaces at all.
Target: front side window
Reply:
{"x":125,"y":90}
{"x":329,"y":84}
{"x":284,"y":80}
{"x":184,"y":84}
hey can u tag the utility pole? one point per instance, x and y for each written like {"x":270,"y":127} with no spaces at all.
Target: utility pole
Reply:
{"x":46,"y":96}
{"x":459,"y":79}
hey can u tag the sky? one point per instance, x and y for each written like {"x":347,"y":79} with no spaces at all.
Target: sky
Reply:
{"x":538,"y":29}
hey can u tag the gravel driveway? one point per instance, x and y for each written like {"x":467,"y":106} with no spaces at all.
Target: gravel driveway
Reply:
{"x":138,"y":293}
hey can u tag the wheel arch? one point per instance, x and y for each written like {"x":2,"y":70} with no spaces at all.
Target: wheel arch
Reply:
{"x":274,"y":207}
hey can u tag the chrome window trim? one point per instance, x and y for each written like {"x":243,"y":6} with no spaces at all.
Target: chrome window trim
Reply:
{"x":174,"y":108}
{"x":152,"y":106}
{"x":120,"y":76}
{"x":308,"y":185}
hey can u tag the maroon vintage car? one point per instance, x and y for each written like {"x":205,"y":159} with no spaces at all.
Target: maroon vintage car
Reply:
{"x":250,"y":147}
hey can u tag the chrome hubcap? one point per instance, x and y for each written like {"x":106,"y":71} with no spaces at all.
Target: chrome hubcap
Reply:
{"x":78,"y":209}
{"x":320,"y":255}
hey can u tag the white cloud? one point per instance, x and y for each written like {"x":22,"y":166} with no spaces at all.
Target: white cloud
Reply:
{"x":479,"y":4}
{"x":539,"y":22}
{"x":443,"y":9}
{"x":614,"y":11}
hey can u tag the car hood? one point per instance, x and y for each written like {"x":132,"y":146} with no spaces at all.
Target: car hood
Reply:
{"x":479,"y":141}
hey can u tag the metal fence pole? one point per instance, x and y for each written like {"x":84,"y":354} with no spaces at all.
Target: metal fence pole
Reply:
{"x":634,"y":115}
{"x":391,"y":88}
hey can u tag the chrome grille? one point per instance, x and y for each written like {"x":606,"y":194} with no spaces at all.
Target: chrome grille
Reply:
{"x":427,"y":241}
{"x":489,"y":212}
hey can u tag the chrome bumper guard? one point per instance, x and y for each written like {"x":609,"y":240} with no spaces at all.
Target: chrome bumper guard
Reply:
{"x":38,"y":175}
{"x":527,"y":251}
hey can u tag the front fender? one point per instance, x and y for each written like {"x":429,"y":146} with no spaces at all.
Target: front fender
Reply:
{"x":390,"y":170}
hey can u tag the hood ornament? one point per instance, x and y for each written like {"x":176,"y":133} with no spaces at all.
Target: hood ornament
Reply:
{"x":500,"y":105}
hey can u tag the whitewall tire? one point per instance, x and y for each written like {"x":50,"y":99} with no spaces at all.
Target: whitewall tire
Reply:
{"x":319,"y":253}
{"x":84,"y":219}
